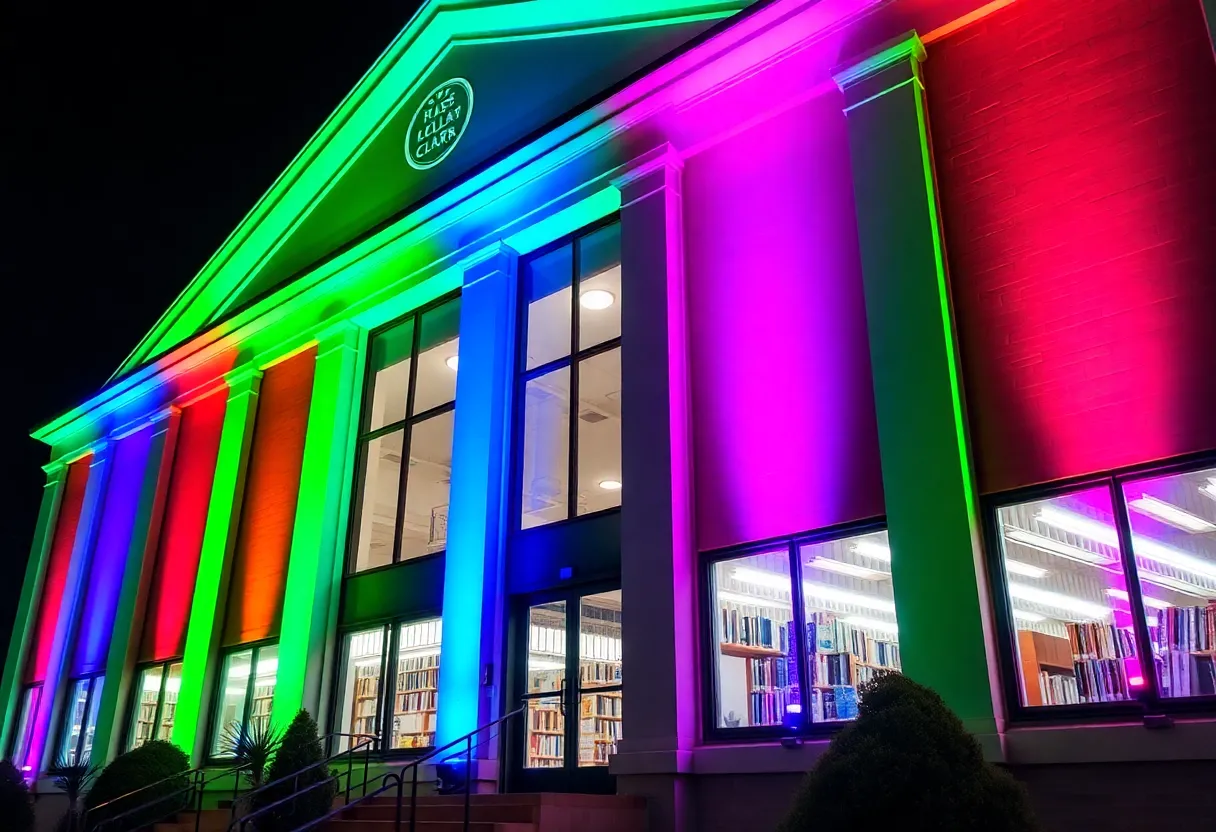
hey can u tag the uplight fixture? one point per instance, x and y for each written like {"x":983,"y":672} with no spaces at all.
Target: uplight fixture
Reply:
{"x":1170,"y":513}
{"x":596,"y":299}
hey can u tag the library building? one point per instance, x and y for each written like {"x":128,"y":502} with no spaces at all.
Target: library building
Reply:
{"x":914,"y":303}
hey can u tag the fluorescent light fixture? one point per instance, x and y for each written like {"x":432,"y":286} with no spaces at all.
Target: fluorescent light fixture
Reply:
{"x":1027,"y":615}
{"x":738,"y":598}
{"x":596,"y":299}
{"x":873,"y":549}
{"x":1055,"y":547}
{"x":1026,"y":570}
{"x":453,"y":362}
{"x":610,"y":485}
{"x":1086,"y":527}
{"x":1209,"y":489}
{"x":1034,"y":595}
{"x":872,"y":624}
{"x":852,"y":570}
{"x":1170,"y":513}
{"x":813,"y":590}
{"x":1155,"y":603}
{"x":1145,"y":547}
{"x":1175,"y":584}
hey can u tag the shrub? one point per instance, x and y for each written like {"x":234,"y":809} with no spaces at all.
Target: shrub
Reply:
{"x":300,"y":749}
{"x":15,"y":805}
{"x":151,"y":762}
{"x":907,"y":763}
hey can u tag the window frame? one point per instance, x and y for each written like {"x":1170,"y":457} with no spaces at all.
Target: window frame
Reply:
{"x":1149,"y":703}
{"x":217,"y":692}
{"x":390,"y":634}
{"x":806,"y":727}
{"x":34,"y":691}
{"x":363,"y":438}
{"x":66,"y":717}
{"x":571,"y":360}
{"x":133,"y":707}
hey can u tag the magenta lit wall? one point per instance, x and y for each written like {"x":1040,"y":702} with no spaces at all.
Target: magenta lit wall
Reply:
{"x":783,"y":409}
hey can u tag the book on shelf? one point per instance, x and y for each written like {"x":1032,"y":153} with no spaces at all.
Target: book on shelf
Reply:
{"x":1093,"y":640}
{"x":605,"y":673}
{"x":1186,"y":628}
{"x":754,"y":626}
{"x":833,"y":703}
{"x":1058,"y":689}
{"x":1101,"y":680}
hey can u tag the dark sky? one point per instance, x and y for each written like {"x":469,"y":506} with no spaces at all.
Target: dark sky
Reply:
{"x":134,"y":140}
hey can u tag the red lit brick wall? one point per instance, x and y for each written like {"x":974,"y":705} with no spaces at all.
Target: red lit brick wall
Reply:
{"x":1075,"y":144}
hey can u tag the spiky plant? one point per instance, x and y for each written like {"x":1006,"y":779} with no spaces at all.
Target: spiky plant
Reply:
{"x":72,"y":778}
{"x":252,"y":748}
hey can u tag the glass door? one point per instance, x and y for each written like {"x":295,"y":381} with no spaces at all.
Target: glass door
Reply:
{"x":570,"y":666}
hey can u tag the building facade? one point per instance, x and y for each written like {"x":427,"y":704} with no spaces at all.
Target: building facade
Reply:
{"x":912,"y":299}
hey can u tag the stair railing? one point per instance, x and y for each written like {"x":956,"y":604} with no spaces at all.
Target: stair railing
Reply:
{"x":192,"y":792}
{"x":366,"y":743}
{"x":395,"y":781}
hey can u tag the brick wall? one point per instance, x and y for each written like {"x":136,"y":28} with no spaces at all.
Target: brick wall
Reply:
{"x":1075,"y":143}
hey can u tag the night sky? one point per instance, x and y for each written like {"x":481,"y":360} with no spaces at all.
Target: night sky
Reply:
{"x":135,"y":140}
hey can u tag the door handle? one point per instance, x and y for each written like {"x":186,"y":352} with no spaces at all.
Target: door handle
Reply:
{"x":562,"y":702}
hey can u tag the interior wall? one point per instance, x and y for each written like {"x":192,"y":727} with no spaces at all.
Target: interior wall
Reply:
{"x":783,"y":409}
{"x":1073,"y":143}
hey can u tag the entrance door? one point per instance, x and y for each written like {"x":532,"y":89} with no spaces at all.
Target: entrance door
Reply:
{"x":568,"y":663}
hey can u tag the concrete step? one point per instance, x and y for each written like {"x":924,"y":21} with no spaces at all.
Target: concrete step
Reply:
{"x":212,"y":820}
{"x":425,"y":826}
{"x":481,"y":812}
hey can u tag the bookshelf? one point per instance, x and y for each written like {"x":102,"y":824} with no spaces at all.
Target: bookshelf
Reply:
{"x":259,"y":712}
{"x":366,"y":700}
{"x":1184,"y":647}
{"x":1047,"y":659}
{"x":755,"y":639}
{"x":417,"y":685}
{"x":546,"y":735}
{"x":841,"y":657}
{"x":599,"y":727}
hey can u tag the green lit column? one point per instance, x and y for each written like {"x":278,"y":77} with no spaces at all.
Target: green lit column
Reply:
{"x":314,"y":572}
{"x":137,"y":577}
{"x":27,"y":605}
{"x":926,"y":466}
{"x":211,"y":585}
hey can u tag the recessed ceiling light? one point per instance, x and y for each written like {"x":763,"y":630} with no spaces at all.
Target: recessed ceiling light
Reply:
{"x":1016,"y":567}
{"x":852,"y":570}
{"x":1170,"y":513}
{"x":610,"y":485}
{"x":873,"y":549}
{"x":453,"y":362}
{"x":596,"y":299}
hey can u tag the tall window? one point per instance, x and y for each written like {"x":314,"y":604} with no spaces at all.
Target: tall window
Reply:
{"x":1092,"y":623}
{"x":156,"y":689}
{"x":246,"y":693}
{"x":409,"y":415}
{"x":404,"y":688}
{"x":80,"y":718}
{"x":571,"y":455}
{"x":766,"y":678}
{"x":31,"y":696}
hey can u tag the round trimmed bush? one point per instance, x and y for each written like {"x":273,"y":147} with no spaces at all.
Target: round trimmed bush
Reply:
{"x":151,"y":762}
{"x":15,"y":805}
{"x":907,"y":763}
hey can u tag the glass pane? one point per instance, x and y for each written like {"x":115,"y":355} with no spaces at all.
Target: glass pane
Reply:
{"x":438,"y":357}
{"x":1173,"y":522}
{"x":263,"y":687}
{"x":546,"y":734}
{"x":599,"y":727}
{"x":546,"y":647}
{"x":599,"y":640}
{"x":73,"y":720}
{"x":147,"y":694}
{"x":546,"y":458}
{"x":30,"y":698}
{"x":756,"y":664}
{"x":378,"y":508}
{"x":168,"y":708}
{"x":850,"y":621}
{"x":599,"y":288}
{"x":90,"y":726}
{"x":234,"y":681}
{"x":427,"y":485}
{"x":599,"y":432}
{"x":361,"y":686}
{"x":1075,"y":642}
{"x":390,"y":376}
{"x":417,"y":684}
{"x":547,"y":288}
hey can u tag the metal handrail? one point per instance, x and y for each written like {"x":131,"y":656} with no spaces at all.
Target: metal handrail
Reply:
{"x":367,"y":743}
{"x":397,"y":780}
{"x":199,"y":781}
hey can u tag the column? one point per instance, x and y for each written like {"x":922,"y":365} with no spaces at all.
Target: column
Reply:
{"x":27,"y":605}
{"x":42,"y":744}
{"x":658,"y":549}
{"x":137,"y":576}
{"x":211,"y":585}
{"x":936,"y":566}
{"x":314,"y":570}
{"x":473,"y":615}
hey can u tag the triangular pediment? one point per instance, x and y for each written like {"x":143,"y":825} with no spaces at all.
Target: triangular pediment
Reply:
{"x":463,"y":83}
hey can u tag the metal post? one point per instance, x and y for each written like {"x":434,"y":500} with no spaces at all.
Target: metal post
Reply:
{"x":367,"y":750}
{"x":414,"y":800}
{"x":400,"y":795}
{"x":468,"y":779}
{"x":349,"y":763}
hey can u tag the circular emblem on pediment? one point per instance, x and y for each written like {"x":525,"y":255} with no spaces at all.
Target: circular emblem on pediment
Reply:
{"x":438,"y":123}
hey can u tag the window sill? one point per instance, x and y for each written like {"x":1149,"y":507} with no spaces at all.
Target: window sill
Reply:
{"x":1112,"y":742}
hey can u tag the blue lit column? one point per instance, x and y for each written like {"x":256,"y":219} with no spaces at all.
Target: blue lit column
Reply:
{"x":473,"y":569}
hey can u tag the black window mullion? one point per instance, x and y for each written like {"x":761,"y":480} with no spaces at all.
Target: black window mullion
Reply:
{"x":160,"y":700}
{"x":399,"y":528}
{"x":249,"y":686}
{"x":801,"y":659}
{"x":572,"y":461}
{"x":84,"y":719}
{"x":427,"y":415}
{"x":1144,"y":644}
{"x":390,"y":684}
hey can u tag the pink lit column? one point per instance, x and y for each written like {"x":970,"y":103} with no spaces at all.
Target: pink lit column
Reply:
{"x":658,"y":558}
